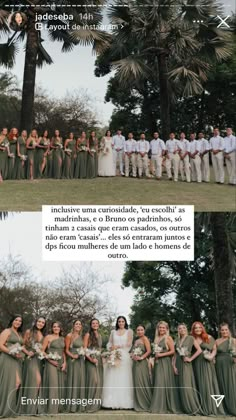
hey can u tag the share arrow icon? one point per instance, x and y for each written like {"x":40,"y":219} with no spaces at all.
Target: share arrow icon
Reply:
{"x":218,"y":399}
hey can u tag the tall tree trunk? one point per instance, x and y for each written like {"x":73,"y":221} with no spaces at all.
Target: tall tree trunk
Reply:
{"x":27,"y":106}
{"x":164,"y":96}
{"x":223,"y":275}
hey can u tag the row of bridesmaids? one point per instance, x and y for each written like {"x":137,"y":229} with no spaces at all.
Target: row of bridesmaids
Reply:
{"x":185,"y":375}
{"x":36,"y":156}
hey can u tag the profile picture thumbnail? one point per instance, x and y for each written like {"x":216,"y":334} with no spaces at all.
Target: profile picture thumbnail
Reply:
{"x":17,"y":21}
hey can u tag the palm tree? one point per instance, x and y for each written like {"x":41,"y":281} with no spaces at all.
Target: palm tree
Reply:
{"x":157,"y":40}
{"x":35,"y":53}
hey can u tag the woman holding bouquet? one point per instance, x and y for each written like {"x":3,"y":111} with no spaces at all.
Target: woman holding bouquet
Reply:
{"x":31,"y":144}
{"x":141,"y":375}
{"x":82,"y":156}
{"x":106,"y":165}
{"x":204,"y":369}
{"x":226,"y":368}
{"x":43,"y":148}
{"x":32,"y":371}
{"x":11,"y":345}
{"x":70,"y":156}
{"x":75,"y":387}
{"x":54,"y":371}
{"x":165,"y":397}
{"x":118,"y":380}
{"x":21,"y":155}
{"x":4,"y":151}
{"x":13,"y":136}
{"x":182,"y":363}
{"x":92,"y":156}
{"x":57,"y":155}
{"x":93,"y":367}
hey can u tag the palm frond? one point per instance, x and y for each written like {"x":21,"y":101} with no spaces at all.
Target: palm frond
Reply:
{"x":8,"y":54}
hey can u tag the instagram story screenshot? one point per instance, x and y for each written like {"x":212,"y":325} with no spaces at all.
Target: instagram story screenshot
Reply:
{"x":118,"y":209}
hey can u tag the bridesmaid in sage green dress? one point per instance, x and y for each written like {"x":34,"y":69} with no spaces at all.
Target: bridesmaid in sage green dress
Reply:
{"x":205,"y":373}
{"x":54,"y":372}
{"x":92,"y":165}
{"x":182,"y":363}
{"x":93,"y":366}
{"x":32,"y":370}
{"x":75,"y":388}
{"x":165,"y":396}
{"x":21,"y":155}
{"x":70,"y":155}
{"x":13,"y":136}
{"x":4,"y":151}
{"x":42,"y":155}
{"x":226,"y":368}
{"x":141,"y":375}
{"x":11,"y":345}
{"x":82,"y":156}
{"x":31,"y":144}
{"x":57,"y":155}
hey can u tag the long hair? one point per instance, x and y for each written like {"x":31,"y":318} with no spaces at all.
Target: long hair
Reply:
{"x":73,"y":324}
{"x":157,"y":335}
{"x":204,"y":336}
{"x":182,"y":323}
{"x":93,"y":340}
{"x":20,"y":329}
{"x":34,"y":329}
{"x":108,"y":132}
{"x":117,"y":322}
{"x":60,"y":326}
{"x":11,"y":135}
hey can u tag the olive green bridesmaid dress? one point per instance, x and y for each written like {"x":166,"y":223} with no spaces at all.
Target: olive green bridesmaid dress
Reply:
{"x":206,"y":381}
{"x":69,"y":160}
{"x":10,"y":398}
{"x":4,"y":159}
{"x":40,"y":157}
{"x":185,"y":381}
{"x":57,"y":160}
{"x":32,"y":367}
{"x":75,"y":388}
{"x":12,"y":160}
{"x":94,"y":381}
{"x":226,"y":374}
{"x":54,"y":380}
{"x":91,"y":162}
{"x":142,"y":382}
{"x":31,"y":153}
{"x":81,"y":161}
{"x":165,"y":396}
{"x":21,"y":170}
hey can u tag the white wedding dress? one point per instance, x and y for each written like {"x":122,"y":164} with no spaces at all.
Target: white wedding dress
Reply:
{"x":118,"y":380}
{"x":105,"y":160}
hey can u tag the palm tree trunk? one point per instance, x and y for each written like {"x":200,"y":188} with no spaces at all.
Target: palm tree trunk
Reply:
{"x":27,"y":106}
{"x":223,"y":275}
{"x":164,"y":96}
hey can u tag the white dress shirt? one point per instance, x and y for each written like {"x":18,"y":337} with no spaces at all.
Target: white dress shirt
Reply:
{"x":204,"y":145}
{"x":118,"y":141}
{"x":157,"y":146}
{"x":172,"y":145}
{"x":217,"y":143}
{"x":143,"y":146}
{"x":130,"y":146}
{"x":184,"y":146}
{"x":194,"y":146}
{"x":230,"y":144}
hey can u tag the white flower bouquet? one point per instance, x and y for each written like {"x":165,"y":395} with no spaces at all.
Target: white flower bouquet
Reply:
{"x":137,"y":351}
{"x":23,"y":157}
{"x":112,"y":357}
{"x":207,"y":355}
{"x":183,"y":351}
{"x":54,"y":356}
{"x":83,"y":148}
{"x":93,"y":150}
{"x":156,"y":349}
{"x":232,"y":347}
{"x":15,"y":349}
{"x":81,"y":352}
{"x":93,"y":353}
{"x":37,"y":348}
{"x":68,"y":151}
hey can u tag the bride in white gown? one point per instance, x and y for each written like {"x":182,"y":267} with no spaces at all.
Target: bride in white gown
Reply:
{"x":105,"y":158}
{"x":118,"y":380}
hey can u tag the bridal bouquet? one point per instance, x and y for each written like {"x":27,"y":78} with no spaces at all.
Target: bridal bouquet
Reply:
{"x":15,"y":349}
{"x":54,"y":356}
{"x":137,"y":351}
{"x":37,"y":348}
{"x":83,"y":148}
{"x":68,"y":151}
{"x":156,"y":348}
{"x":93,"y":150}
{"x":81,"y":352}
{"x":183,"y":351}
{"x":23,"y":157}
{"x":112,"y":357}
{"x":207,"y":355}
{"x":93,"y":353}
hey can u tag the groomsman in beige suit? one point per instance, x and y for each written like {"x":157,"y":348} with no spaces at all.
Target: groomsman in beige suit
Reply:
{"x":142,"y":150}
{"x":157,"y":147}
{"x":195,"y":160}
{"x":217,"y":156}
{"x":172,"y":157}
{"x":204,"y":155}
{"x":184,"y":163}
{"x":130,"y":155}
{"x":230,"y":155}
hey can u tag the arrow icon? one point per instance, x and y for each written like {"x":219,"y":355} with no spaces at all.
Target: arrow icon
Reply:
{"x":218,"y":399}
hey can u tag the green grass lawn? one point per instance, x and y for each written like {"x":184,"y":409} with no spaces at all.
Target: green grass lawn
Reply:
{"x":31,"y":195}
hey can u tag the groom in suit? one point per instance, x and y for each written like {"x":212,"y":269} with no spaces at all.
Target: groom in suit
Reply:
{"x":119,"y":143}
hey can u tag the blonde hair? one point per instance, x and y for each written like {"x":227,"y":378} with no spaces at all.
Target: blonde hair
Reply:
{"x":157,"y":335}
{"x":182,"y":323}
